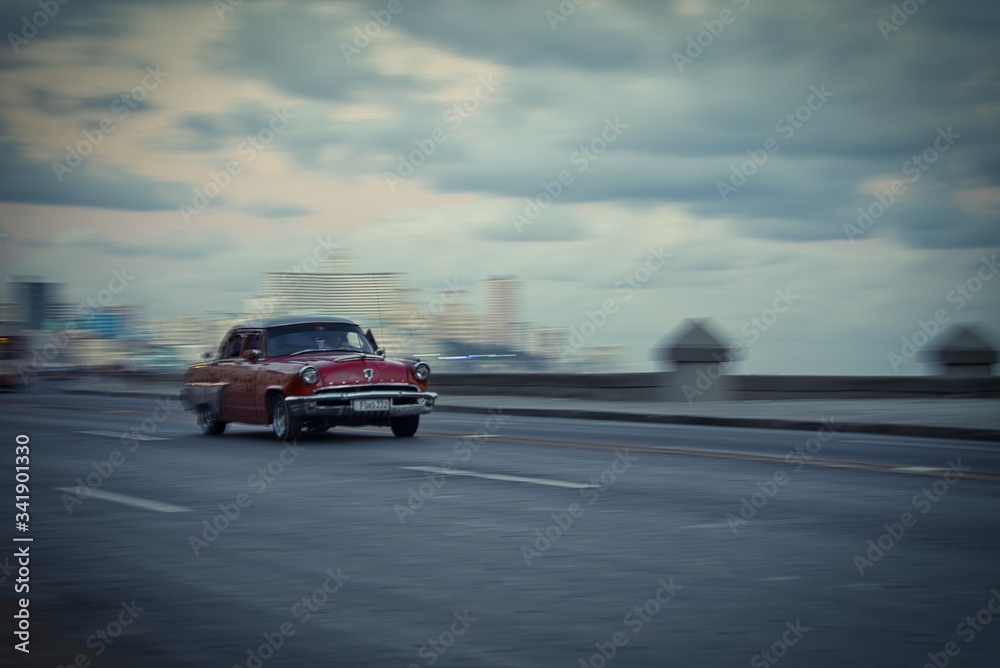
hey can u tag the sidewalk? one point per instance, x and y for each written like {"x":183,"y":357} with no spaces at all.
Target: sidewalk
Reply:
{"x":977,"y":419}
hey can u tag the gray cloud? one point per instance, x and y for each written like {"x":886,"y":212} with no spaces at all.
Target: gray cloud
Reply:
{"x":34,"y":182}
{"x":177,"y":245}
{"x":296,"y":49}
{"x":275,"y":209}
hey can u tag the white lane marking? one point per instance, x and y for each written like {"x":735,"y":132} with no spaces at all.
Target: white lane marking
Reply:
{"x":919,"y":469}
{"x":126,"y":500}
{"x":500,"y":476}
{"x":115,"y":434}
{"x":780,"y":578}
{"x":717,"y":525}
{"x":933,"y":446}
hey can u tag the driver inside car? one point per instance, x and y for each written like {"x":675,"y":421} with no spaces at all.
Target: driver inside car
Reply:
{"x":338,"y":341}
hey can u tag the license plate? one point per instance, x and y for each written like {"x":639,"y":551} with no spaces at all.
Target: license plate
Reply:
{"x":362,"y":405}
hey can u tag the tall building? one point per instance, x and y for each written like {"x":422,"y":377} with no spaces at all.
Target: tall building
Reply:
{"x":365,"y":298}
{"x":32,"y":301}
{"x":503,"y":297}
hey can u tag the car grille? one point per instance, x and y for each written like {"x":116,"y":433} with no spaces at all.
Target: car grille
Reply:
{"x":373,"y":387}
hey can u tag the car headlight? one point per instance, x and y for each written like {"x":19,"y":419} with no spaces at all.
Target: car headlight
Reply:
{"x":421,"y":371}
{"x":309,"y":375}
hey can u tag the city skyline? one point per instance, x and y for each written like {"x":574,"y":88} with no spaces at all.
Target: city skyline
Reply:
{"x":827,"y":197}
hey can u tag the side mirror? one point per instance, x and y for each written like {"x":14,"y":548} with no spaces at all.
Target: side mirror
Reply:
{"x":380,"y":352}
{"x":206,"y":356}
{"x":253,"y":355}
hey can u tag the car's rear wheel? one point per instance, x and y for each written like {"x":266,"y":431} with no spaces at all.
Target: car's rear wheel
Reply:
{"x":286,"y":426}
{"x":208,"y":422}
{"x":405,"y":427}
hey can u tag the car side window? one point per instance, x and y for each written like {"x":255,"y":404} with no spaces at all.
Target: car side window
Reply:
{"x":354,"y":341}
{"x":252,"y":341}
{"x":233,"y":346}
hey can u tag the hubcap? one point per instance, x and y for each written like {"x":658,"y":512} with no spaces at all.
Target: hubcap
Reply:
{"x":280,"y":419}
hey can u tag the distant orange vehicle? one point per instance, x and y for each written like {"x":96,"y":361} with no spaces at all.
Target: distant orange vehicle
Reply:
{"x":14,"y":359}
{"x":309,"y":373}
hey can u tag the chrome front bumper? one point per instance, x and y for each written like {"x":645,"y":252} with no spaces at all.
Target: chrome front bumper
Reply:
{"x":340,"y":405}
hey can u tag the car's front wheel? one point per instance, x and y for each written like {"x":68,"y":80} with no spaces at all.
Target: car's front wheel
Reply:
{"x":286,"y":426}
{"x":208,"y":422}
{"x":405,"y":427}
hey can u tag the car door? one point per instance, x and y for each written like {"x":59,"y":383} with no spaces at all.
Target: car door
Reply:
{"x":245,"y":375}
{"x":225,"y":372}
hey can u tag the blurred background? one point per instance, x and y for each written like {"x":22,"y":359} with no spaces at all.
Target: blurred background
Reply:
{"x":501,"y":186}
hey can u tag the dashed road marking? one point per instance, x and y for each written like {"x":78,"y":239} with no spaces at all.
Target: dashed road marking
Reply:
{"x":500,"y":476}
{"x":130,"y":436}
{"x":134,"y":501}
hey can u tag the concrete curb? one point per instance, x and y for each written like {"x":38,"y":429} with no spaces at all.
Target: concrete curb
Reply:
{"x":927,"y":431}
{"x":146,"y":394}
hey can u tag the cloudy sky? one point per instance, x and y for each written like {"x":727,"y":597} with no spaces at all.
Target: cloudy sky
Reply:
{"x":198,"y":144}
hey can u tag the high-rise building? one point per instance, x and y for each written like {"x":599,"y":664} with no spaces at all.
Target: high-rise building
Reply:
{"x":503,"y":296}
{"x":32,"y":301}
{"x":365,"y":298}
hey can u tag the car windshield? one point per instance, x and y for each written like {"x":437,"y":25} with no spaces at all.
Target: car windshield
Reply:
{"x":320,"y":337}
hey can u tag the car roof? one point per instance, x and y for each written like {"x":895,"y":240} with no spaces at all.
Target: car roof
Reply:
{"x":265,"y":323}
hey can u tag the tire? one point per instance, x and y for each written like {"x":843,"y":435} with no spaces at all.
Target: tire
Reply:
{"x":286,"y":426}
{"x":208,"y":423}
{"x":405,"y":427}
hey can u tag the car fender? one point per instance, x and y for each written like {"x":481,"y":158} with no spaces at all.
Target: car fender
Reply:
{"x":199,"y":394}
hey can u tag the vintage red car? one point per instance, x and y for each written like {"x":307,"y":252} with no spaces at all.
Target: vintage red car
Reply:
{"x":312,"y":373}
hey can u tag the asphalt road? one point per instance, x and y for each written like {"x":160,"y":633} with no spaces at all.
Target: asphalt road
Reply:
{"x":561,"y":538}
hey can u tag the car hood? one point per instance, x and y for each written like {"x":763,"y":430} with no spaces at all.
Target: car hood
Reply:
{"x":355,"y":372}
